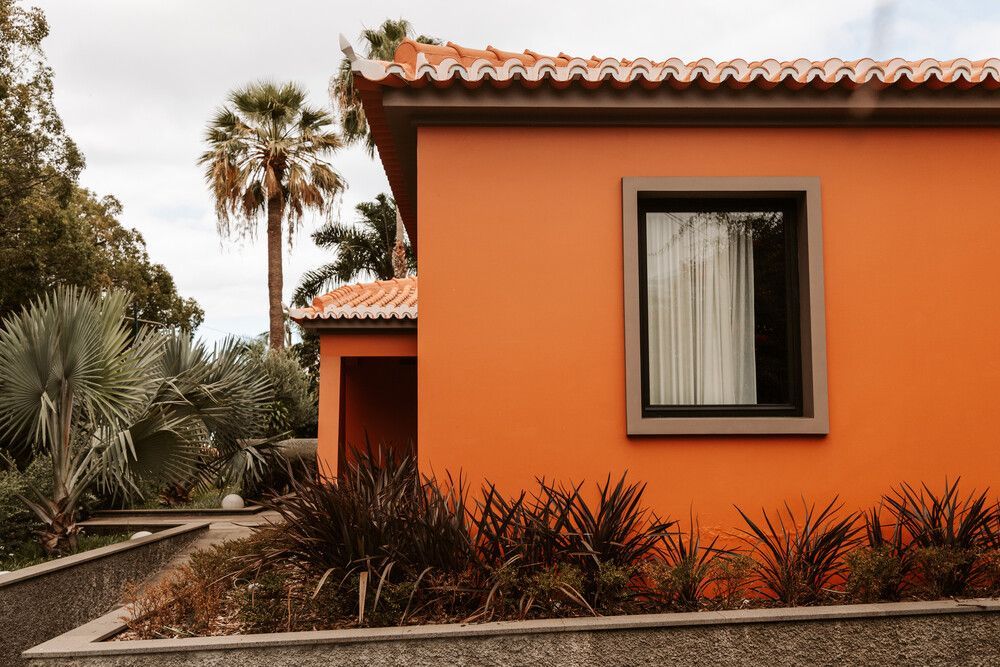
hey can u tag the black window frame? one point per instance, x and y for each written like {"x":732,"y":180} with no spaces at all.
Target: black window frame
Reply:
{"x":791,"y":209}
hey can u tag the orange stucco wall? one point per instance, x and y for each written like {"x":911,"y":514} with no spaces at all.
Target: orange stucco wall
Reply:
{"x":521,"y":342}
{"x":380,"y":404}
{"x":347,"y":400}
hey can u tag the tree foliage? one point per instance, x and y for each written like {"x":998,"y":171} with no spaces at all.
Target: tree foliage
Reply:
{"x":52,"y":232}
{"x":293,"y":408}
{"x":83,"y":243}
{"x":268,"y":142}
{"x":379,"y":44}
{"x":35,"y":151}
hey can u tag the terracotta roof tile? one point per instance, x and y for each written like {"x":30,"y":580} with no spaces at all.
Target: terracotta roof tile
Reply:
{"x":417,"y":64}
{"x":380,"y":300}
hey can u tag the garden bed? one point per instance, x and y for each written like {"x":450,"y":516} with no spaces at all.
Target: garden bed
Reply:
{"x":926,"y":633}
{"x":31,"y":553}
{"x":40,"y":601}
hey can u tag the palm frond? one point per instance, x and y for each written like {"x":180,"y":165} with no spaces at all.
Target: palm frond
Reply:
{"x":379,"y":44}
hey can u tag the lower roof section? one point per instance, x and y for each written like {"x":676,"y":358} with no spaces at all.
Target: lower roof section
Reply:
{"x":383,"y":304}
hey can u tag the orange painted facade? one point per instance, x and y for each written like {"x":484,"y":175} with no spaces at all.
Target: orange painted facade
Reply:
{"x":361,"y":374}
{"x":521,"y":342}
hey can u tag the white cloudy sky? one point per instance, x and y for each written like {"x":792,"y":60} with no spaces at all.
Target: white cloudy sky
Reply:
{"x":137,"y":79}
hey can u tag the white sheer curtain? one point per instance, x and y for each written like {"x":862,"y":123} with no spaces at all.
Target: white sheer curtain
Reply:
{"x":699,"y":273}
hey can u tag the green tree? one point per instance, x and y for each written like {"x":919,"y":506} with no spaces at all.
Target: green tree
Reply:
{"x":293,"y":406}
{"x":35,"y":152}
{"x":364,"y":250}
{"x":81,"y":242}
{"x":53,"y":232}
{"x":266,"y":156}
{"x":379,"y":44}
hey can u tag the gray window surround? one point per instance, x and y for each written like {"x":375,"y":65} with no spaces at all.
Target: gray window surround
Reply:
{"x":812,"y":314}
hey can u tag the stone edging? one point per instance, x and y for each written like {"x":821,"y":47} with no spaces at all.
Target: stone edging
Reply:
{"x":48,"y":567}
{"x":170,"y":513}
{"x":89,"y":639}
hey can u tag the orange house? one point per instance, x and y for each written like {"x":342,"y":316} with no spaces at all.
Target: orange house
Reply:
{"x":741,"y":282}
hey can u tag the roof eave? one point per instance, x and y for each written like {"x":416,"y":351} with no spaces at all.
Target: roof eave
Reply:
{"x":357,"y":325}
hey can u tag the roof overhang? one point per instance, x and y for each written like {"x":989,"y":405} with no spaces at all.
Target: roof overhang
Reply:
{"x":355,"y":326}
{"x":398,"y":104}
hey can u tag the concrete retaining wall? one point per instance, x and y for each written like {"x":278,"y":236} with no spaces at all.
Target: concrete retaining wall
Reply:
{"x":42,"y":601}
{"x":913,"y":633}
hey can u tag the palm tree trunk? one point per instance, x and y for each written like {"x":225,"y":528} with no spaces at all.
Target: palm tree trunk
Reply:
{"x":276,"y":315}
{"x":399,"y":250}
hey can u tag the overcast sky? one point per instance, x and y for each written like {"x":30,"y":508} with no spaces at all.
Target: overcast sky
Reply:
{"x":137,"y":79}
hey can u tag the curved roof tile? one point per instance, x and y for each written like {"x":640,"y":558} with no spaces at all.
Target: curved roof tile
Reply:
{"x":380,"y":300}
{"x":416,"y":64}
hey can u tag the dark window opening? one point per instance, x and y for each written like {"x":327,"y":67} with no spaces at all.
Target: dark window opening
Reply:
{"x":719,"y":311}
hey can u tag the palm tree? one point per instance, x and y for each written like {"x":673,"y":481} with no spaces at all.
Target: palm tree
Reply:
{"x":70,"y":376}
{"x":380,"y":44}
{"x":267,"y":154}
{"x":112,"y":407}
{"x":365,"y":249}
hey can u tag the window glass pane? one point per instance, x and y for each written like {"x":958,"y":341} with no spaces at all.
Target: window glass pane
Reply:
{"x":716,"y":307}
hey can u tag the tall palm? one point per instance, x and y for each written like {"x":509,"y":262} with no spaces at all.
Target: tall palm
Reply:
{"x":364,"y":250}
{"x":379,"y":44}
{"x":268,"y":155}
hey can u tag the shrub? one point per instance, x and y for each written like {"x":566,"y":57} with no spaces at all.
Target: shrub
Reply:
{"x":874,"y":574}
{"x":947,"y":533}
{"x":733,"y":578}
{"x":681,"y":577}
{"x":18,"y":524}
{"x":797,"y":563}
{"x":554,"y":527}
{"x":293,"y":405}
{"x":879,"y":571}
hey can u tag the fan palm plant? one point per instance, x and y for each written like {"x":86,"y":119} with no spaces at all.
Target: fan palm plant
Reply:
{"x":196,"y":426}
{"x":364,"y":250}
{"x":268,"y":154}
{"x":380,"y":44}
{"x":112,"y":407}
{"x":71,"y":378}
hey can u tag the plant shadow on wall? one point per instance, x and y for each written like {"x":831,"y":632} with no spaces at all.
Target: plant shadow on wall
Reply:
{"x":116,"y":413}
{"x":384,"y":546}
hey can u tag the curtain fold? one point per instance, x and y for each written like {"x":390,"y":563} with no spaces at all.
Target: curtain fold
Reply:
{"x":699,"y":272}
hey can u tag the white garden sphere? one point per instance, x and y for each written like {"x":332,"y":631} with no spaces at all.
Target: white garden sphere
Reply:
{"x":141,"y":533}
{"x":232,"y":502}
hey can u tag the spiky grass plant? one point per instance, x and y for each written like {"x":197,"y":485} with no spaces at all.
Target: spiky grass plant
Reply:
{"x":798,"y":558}
{"x":379,"y":524}
{"x":879,"y":569}
{"x":588,"y":550}
{"x":947,"y":530}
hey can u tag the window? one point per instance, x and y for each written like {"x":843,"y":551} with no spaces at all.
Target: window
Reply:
{"x":724,"y":316}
